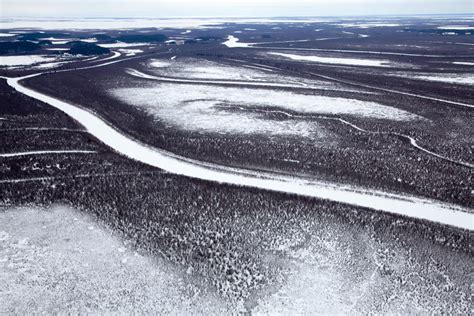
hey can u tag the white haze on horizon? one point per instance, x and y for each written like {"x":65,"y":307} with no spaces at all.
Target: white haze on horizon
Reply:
{"x":227,"y":8}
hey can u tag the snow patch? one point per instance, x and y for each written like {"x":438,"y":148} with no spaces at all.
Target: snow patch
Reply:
{"x":335,"y":60}
{"x":464,"y":79}
{"x":233,"y":42}
{"x":465,"y":63}
{"x":130,"y":52}
{"x":456,"y":27}
{"x":368,"y":25}
{"x":24,"y":60}
{"x":123,"y":45}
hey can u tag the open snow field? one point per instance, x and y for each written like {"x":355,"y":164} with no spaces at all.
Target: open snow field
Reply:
{"x":229,"y":110}
{"x":59,"y":260}
{"x":199,"y":69}
{"x":8,"y":61}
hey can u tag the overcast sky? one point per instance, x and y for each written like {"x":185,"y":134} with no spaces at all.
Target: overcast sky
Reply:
{"x":228,"y":8}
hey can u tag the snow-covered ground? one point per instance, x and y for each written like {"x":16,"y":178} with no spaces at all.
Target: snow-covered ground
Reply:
{"x":335,"y":60}
{"x":35,"y":61}
{"x":7,"y":34}
{"x":368,"y":25}
{"x":191,"y":68}
{"x":130,"y":52}
{"x":212,"y":108}
{"x":333,"y":271}
{"x":461,"y":78}
{"x":26,"y":60}
{"x":122,"y":45}
{"x":456,"y":27}
{"x":465,"y":63}
{"x":233,"y":42}
{"x":465,"y":79}
{"x":61,"y":261}
{"x":203,"y":108}
{"x":58,"y":49}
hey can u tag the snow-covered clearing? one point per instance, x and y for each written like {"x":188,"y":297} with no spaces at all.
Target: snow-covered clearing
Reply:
{"x":49,"y":65}
{"x":60,"y":260}
{"x":465,"y":79}
{"x":367,"y":25}
{"x":465,"y":63}
{"x":456,"y":27}
{"x":35,"y":61}
{"x":330,"y":270}
{"x":123,"y":45}
{"x":7,"y":35}
{"x":426,"y":97}
{"x":335,"y":60}
{"x":59,"y":49}
{"x":191,"y":68}
{"x":201,"y":107}
{"x":89,"y":40}
{"x":233,"y":42}
{"x":453,"y":78}
{"x":204,"y":108}
{"x":26,"y":60}
{"x":130,"y":52}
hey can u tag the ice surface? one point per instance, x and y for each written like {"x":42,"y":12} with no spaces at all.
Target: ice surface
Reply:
{"x":336,"y":60}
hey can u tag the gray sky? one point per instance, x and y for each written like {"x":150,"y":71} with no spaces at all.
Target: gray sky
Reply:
{"x":228,"y":8}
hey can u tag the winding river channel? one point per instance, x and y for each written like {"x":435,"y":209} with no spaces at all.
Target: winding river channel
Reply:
{"x":410,"y":206}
